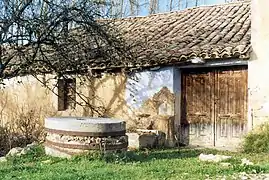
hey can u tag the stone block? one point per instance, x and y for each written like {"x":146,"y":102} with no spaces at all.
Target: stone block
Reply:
{"x":138,"y":141}
{"x":133,"y":140}
{"x":146,"y":139}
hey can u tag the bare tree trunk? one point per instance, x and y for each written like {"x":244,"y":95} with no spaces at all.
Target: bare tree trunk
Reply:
{"x":44,"y":7}
{"x":179,"y":4}
{"x":116,"y":8}
{"x":133,"y":7}
{"x":121,"y":8}
{"x":153,"y":6}
{"x":171,"y":5}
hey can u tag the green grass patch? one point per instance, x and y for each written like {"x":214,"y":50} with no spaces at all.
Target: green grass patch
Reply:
{"x":140,"y":165}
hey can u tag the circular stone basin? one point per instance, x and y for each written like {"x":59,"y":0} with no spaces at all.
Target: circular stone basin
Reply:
{"x":67,"y":136}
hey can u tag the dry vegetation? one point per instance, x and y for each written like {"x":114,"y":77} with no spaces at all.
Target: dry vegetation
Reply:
{"x":22,"y":117}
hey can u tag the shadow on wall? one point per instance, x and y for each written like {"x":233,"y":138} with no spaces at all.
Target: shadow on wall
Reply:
{"x":27,"y":104}
{"x":108,"y":92}
{"x":156,"y":112}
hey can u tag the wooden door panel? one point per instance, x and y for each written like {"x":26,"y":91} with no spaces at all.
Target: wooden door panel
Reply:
{"x":196,"y":106}
{"x":199,"y":129}
{"x":230,"y":105}
{"x":223,"y":125}
{"x":214,"y":105}
{"x":198,"y":90}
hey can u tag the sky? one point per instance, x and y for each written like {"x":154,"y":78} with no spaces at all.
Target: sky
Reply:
{"x":164,"y":5}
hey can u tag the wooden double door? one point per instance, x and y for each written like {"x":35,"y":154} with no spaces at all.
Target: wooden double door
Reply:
{"x":214,"y":106}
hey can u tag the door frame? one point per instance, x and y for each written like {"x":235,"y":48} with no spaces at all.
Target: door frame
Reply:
{"x":178,"y":90}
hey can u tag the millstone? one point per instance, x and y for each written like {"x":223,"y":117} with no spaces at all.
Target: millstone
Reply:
{"x":67,"y":136}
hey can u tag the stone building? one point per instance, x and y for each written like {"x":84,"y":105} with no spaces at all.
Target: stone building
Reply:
{"x":204,"y":69}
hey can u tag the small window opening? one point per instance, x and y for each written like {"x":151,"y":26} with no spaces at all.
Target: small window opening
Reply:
{"x":66,"y":94}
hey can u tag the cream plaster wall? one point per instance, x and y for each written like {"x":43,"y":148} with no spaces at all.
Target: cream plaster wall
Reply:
{"x":109,"y":91}
{"x":258,"y":66}
{"x":21,"y":96}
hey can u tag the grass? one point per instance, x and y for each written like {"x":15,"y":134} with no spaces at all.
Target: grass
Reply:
{"x":140,"y":165}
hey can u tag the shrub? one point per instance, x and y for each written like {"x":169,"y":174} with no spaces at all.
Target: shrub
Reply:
{"x":26,"y":127}
{"x":22,"y":114}
{"x":4,"y":140}
{"x":30,"y":126}
{"x":257,"y":140}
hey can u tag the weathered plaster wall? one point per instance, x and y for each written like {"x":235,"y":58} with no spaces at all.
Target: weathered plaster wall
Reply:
{"x":109,"y":92}
{"x":258,"y":67}
{"x":177,"y":92}
{"x":150,"y":96}
{"x":142,"y":99}
{"x":142,"y":86}
{"x":24,"y":96}
{"x":151,"y":92}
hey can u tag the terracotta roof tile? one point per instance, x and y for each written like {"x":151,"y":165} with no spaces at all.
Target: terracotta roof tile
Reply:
{"x":209,"y":32}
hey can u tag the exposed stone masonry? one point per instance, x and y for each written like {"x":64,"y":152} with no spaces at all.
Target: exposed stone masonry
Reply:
{"x":80,"y":140}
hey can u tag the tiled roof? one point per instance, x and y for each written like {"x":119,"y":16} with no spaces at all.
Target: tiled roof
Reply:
{"x":209,"y":32}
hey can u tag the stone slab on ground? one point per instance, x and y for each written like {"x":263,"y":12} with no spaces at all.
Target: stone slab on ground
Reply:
{"x":138,"y":141}
{"x":3,"y":159}
{"x":213,"y":158}
{"x":143,"y":138}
